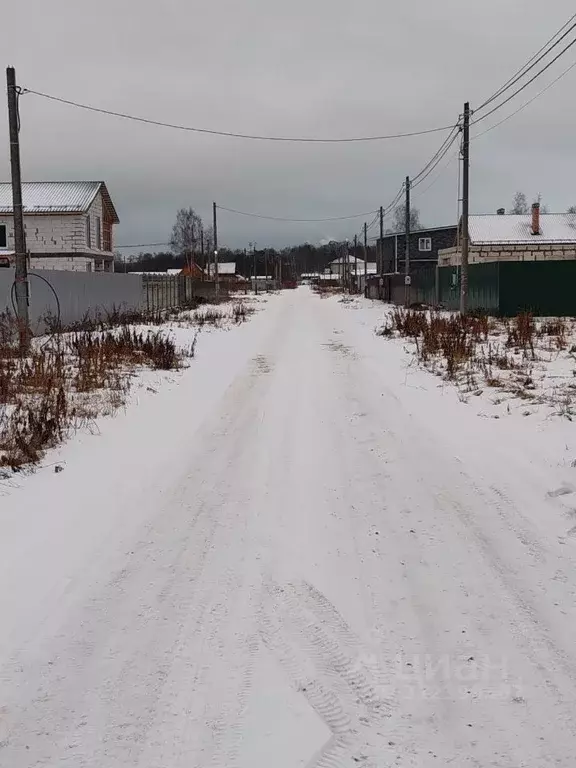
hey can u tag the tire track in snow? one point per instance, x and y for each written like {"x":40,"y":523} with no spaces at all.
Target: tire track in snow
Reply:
{"x":316,"y":654}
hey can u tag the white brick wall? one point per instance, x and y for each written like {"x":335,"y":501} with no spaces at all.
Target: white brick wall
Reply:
{"x":450,"y":257}
{"x":59,"y":233}
{"x":63,"y":263}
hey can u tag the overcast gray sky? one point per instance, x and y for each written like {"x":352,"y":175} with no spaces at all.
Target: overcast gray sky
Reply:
{"x":304,"y":67}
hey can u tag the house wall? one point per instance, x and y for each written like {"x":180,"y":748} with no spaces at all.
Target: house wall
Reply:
{"x":510,"y":253}
{"x":75,"y":263}
{"x":60,"y":234}
{"x":441,"y":238}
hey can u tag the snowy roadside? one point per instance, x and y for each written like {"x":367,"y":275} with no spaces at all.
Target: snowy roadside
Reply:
{"x":523,"y":365}
{"x":485,"y":419}
{"x":70,"y":381}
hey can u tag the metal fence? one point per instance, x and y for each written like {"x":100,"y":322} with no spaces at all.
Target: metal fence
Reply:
{"x":76,"y":296}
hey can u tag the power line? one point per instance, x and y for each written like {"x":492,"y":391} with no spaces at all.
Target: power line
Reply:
{"x":281,"y":218}
{"x":439,"y":159}
{"x":142,"y":245}
{"x":230,"y":134}
{"x":440,"y":153}
{"x":531,"y":63}
{"x":527,"y":103}
{"x":440,"y":173}
{"x":532,"y":79}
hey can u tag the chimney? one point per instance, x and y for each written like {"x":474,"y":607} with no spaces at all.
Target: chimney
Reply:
{"x":536,"y":219}
{"x":501,"y":211}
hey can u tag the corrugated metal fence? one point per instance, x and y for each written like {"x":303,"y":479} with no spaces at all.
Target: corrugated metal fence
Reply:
{"x":506,"y":288}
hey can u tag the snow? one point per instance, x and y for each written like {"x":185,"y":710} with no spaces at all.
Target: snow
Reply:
{"x":303,"y":550}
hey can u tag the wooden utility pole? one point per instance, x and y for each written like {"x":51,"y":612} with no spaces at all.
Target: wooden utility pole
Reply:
{"x":365,"y":258}
{"x":215,"y":226}
{"x":355,"y":263}
{"x":266,"y":270}
{"x":203,"y":255}
{"x":407,"y":277}
{"x":465,"y":210}
{"x":381,"y":249}
{"x":21,"y":272}
{"x":255,"y":269}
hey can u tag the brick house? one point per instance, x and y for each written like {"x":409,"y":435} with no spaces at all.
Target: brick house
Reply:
{"x":69,"y":225}
{"x":525,"y":237}
{"x":518,"y":263}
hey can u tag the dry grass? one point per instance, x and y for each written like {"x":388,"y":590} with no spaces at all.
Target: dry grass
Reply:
{"x":56,"y":386}
{"x":513,"y":356}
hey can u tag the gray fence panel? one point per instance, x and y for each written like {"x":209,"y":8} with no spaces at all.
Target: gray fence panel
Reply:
{"x":79,"y":293}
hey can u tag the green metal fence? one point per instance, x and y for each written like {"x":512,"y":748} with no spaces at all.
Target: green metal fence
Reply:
{"x":509,"y":287}
{"x":483,"y":291}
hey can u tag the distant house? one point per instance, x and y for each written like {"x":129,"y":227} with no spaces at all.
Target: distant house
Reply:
{"x":226,"y":272}
{"x":69,"y":225}
{"x":226,"y":269}
{"x":425,"y":245}
{"x":190,"y":270}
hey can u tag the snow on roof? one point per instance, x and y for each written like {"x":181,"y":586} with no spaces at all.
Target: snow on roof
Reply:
{"x":224,"y":268}
{"x":349,"y":260}
{"x":56,"y":197}
{"x":371,"y":268}
{"x":173,"y":271}
{"x":510,"y":228}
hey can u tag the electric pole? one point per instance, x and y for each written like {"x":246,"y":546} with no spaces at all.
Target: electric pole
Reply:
{"x":465,"y":210}
{"x":266,"y":270}
{"x":255,"y":269}
{"x":21,"y":272}
{"x":203,"y":255}
{"x":381,"y":251}
{"x":355,"y":262}
{"x":365,"y":258}
{"x":215,"y":226}
{"x":407,"y":277}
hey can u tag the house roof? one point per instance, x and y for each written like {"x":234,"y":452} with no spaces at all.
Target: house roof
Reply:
{"x":224,"y":268}
{"x":420,"y":231}
{"x":491,"y":229}
{"x":57,"y":197}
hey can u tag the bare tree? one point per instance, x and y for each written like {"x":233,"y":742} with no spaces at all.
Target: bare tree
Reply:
{"x":399,"y":220}
{"x":572,"y":209}
{"x":186,"y":233}
{"x":519,"y":205}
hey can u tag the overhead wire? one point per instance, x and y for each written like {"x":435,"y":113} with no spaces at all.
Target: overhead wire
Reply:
{"x":523,"y":87}
{"x":527,"y":103}
{"x":232,"y":134}
{"x":531,"y":63}
{"x":142,"y":245}
{"x":282,"y":218}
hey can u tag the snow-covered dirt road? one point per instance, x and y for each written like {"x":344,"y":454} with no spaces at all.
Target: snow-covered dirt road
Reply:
{"x":300,"y":553}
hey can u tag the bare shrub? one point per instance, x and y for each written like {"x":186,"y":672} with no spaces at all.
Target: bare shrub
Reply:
{"x":211,"y":316}
{"x":46,"y":392}
{"x":241,"y":311}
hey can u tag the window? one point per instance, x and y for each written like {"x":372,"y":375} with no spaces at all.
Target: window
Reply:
{"x":425,"y":244}
{"x":3,"y":236}
{"x":98,"y":233}
{"x":88,"y":233}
